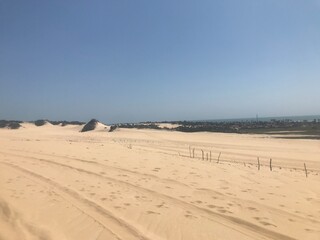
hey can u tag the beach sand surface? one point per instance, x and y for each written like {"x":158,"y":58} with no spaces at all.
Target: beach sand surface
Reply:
{"x":59,"y":183}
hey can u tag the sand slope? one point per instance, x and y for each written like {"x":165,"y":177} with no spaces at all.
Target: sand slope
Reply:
{"x":58,"y":183}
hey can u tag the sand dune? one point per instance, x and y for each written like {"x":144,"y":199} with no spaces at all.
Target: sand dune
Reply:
{"x":59,"y":183}
{"x":95,"y":125}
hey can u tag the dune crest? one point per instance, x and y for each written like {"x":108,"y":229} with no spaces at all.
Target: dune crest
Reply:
{"x":95,"y":125}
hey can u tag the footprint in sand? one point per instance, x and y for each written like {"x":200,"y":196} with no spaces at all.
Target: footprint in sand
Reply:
{"x":160,"y":205}
{"x":183,"y":196}
{"x":190,"y":216}
{"x":113,"y":197}
{"x":308,"y":230}
{"x":151,"y":212}
{"x":267,"y":224}
{"x":253,"y":209}
{"x":222,"y":210}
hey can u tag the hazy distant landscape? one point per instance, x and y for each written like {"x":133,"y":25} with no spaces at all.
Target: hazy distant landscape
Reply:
{"x":298,"y":127}
{"x":303,"y":128}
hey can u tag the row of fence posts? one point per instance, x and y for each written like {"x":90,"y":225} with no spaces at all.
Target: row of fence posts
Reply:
{"x":208,"y":157}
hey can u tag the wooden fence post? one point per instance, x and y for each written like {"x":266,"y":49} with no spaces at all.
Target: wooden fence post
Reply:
{"x":305,"y":169}
{"x":193,"y":152}
{"x":219,"y":157}
{"x":270,"y":164}
{"x":258,"y":163}
{"x":202,"y":154}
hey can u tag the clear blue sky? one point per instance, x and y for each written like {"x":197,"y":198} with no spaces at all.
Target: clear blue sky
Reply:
{"x":128,"y":61}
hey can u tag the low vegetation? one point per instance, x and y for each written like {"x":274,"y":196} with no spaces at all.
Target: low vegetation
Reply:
{"x":287,"y":128}
{"x":11,"y":124}
{"x":91,"y":125}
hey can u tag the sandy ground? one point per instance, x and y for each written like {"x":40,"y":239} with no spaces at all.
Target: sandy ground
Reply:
{"x":168,"y":125}
{"x":58,"y":183}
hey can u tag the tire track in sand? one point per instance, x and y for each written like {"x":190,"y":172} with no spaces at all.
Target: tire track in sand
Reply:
{"x":114,"y":221}
{"x":165,"y":180}
{"x":230,"y":222}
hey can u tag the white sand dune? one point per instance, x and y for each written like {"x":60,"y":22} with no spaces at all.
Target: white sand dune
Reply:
{"x":59,"y":183}
{"x":100,"y":127}
{"x":96,"y":126}
{"x":168,"y":125}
